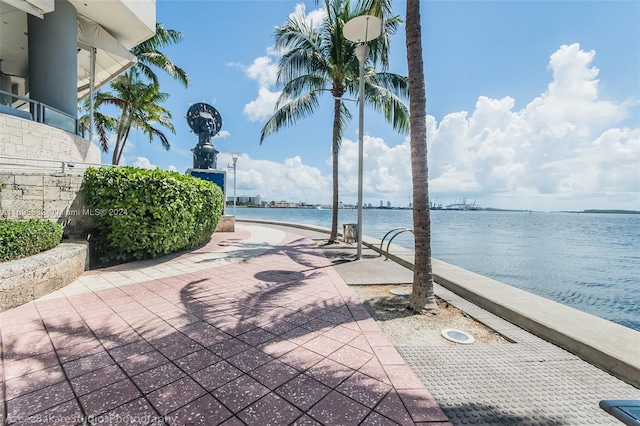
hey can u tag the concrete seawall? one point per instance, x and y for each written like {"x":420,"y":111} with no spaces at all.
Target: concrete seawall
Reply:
{"x":607,"y":345}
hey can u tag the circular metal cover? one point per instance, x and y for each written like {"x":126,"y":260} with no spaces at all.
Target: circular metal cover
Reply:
{"x":457,"y":336}
{"x":399,"y":292}
{"x":362,"y":29}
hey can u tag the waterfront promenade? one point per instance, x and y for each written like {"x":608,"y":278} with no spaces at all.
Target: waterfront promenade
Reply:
{"x":255,"y":328}
{"x":260,"y":327}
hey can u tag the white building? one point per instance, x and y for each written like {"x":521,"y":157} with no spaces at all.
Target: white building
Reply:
{"x":47,"y":48}
{"x":53,"y":54}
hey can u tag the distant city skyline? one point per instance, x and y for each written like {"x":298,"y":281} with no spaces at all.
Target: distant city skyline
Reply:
{"x":533,"y":105}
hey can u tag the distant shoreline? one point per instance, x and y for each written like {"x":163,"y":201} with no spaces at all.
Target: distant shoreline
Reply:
{"x":488,"y":209}
{"x":604,"y":211}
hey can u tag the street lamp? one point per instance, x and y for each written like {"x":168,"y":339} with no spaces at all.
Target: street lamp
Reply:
{"x":361,"y":30}
{"x":234,"y":157}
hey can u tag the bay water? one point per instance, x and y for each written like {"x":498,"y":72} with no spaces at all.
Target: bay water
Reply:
{"x":587,"y":261}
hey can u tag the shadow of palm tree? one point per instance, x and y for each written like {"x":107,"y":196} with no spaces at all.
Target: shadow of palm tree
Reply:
{"x":270,"y":346}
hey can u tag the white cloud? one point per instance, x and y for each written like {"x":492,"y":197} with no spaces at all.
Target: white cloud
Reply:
{"x":564,"y":145}
{"x":564,"y":150}
{"x":262,"y":107}
{"x":386,"y":170}
{"x":222,"y":134}
{"x":315,"y":18}
{"x":264,"y":70}
{"x":289,"y":180}
{"x":172,"y":168}
{"x":143,"y":163}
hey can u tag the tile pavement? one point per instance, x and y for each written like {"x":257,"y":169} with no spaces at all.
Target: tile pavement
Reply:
{"x":256,"y":328}
{"x":526,"y":382}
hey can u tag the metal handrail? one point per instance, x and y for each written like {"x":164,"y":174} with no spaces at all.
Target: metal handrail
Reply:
{"x":36,"y":164}
{"x":38,"y":111}
{"x":397,"y":231}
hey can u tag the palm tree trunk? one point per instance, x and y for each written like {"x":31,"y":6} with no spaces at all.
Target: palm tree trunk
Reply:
{"x":123,"y":135}
{"x":119,"y":137}
{"x":124,"y":141}
{"x":335,"y":147}
{"x":422,"y":297}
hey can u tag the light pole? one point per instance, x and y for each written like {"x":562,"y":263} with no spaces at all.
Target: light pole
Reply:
{"x":361,"y":30}
{"x":234,"y":157}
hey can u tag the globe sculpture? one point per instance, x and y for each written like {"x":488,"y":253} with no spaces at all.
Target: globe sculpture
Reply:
{"x":206,"y":122}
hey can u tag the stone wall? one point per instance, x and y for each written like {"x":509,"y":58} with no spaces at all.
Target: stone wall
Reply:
{"x":33,"y":141}
{"x":50,"y":195}
{"x":27,"y":279}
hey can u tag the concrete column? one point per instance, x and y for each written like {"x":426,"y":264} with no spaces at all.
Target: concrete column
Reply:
{"x":53,"y":58}
{"x":5,"y":84}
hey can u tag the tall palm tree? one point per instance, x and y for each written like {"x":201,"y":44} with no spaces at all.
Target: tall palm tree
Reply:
{"x":422,"y":296}
{"x":149,"y":56}
{"x":321,"y":60}
{"x":142,"y":80}
{"x":140,"y":107}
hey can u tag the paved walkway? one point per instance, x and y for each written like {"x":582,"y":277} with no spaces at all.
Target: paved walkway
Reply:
{"x":255,"y":328}
{"x":526,"y":382}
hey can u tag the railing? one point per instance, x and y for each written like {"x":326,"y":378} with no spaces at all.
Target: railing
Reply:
{"x":397,"y":231}
{"x":9,"y":163}
{"x":23,"y":107}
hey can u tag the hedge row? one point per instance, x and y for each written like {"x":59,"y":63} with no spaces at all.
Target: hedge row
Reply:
{"x":22,"y":239}
{"x":142,"y":214}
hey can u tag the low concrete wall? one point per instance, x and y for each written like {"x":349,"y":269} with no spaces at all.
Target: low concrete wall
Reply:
{"x":227,"y":223}
{"x":23,"y":280}
{"x":605,"y":344}
{"x":608,"y":345}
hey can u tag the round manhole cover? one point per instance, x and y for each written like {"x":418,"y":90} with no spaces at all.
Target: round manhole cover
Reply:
{"x":457,"y":336}
{"x":398,"y":292}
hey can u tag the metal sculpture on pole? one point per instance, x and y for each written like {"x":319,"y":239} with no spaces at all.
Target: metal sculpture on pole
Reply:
{"x":206,"y":122}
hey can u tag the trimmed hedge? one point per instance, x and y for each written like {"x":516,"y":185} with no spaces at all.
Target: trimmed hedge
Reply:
{"x":22,"y":239}
{"x":142,"y":214}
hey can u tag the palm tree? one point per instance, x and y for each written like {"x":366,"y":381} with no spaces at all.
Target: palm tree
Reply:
{"x":422,"y":296}
{"x":136,"y":81}
{"x":321,"y":60}
{"x":140,"y":108}
{"x":149,"y":56}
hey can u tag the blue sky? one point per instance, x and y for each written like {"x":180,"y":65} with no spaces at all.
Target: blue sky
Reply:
{"x":532,"y":104}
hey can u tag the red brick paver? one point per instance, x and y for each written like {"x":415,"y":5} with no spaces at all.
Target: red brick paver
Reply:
{"x":255,"y":328}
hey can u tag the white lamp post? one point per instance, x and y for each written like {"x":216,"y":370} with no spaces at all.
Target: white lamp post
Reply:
{"x":361,"y":30}
{"x":234,"y":157}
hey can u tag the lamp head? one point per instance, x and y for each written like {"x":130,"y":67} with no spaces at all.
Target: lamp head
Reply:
{"x":363,"y":28}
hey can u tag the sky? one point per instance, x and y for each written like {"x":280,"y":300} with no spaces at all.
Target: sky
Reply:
{"x":531,"y":105}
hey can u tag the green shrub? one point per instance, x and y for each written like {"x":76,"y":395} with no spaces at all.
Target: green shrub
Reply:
{"x":22,"y":239}
{"x":142,"y":214}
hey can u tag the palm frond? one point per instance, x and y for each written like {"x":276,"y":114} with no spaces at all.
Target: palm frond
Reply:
{"x":289,"y":114}
{"x":388,"y":103}
{"x":295,"y":87}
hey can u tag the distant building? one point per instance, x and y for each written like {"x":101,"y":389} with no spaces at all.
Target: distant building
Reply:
{"x":245,"y":201}
{"x":388,"y":203}
{"x":283,"y":204}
